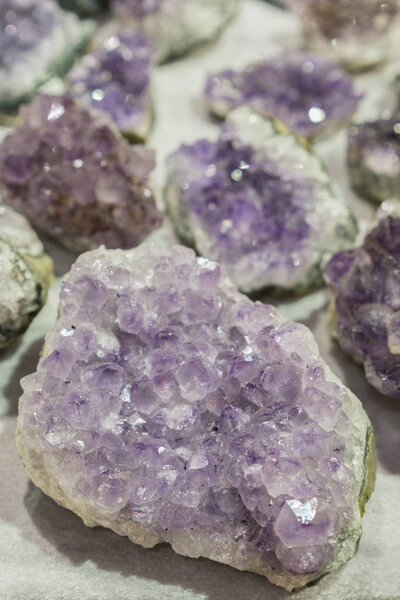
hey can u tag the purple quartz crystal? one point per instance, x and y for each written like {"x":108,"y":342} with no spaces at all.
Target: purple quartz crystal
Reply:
{"x":37,"y":40}
{"x":374,"y":158}
{"x":76,"y":178}
{"x":357,"y":33}
{"x":311,"y":96}
{"x":258,"y":202}
{"x":116,"y":78}
{"x":365,"y":287}
{"x":169,"y":407}
{"x":138,"y":8}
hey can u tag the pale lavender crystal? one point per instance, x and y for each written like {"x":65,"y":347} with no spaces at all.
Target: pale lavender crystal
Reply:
{"x":365,"y":288}
{"x":116,"y":78}
{"x":374,"y":158}
{"x":138,"y":8}
{"x":310,"y":95}
{"x":37,"y":40}
{"x":258,"y":202}
{"x":358,"y":33}
{"x":169,"y":407}
{"x":72,"y":174}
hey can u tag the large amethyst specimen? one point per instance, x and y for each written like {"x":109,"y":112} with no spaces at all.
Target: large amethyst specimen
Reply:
{"x":76,"y":178}
{"x":311,"y":96}
{"x":169,"y":407}
{"x":259,"y":202}
{"x":357,"y":33}
{"x":365,"y":289}
{"x":174,"y":26}
{"x":37,"y":40}
{"x":116,"y":78}
{"x":374,"y":158}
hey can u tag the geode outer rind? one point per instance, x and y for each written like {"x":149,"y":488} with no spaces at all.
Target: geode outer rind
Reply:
{"x":374,"y":158}
{"x":174,"y":26}
{"x":359,"y":34}
{"x":260,"y":203}
{"x":37,"y":40}
{"x":169,"y":407}
{"x":68,"y":169}
{"x":116,"y":78}
{"x":364,"y":286}
{"x":310,"y":95}
{"x":26,"y":273}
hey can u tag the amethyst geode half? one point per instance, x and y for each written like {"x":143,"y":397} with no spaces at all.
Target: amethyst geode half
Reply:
{"x":174,"y":26}
{"x":374,"y":158}
{"x":73,"y":175}
{"x":311,"y":96}
{"x":37,"y":40}
{"x":116,"y":78}
{"x":259,"y":202}
{"x":365,"y":288}
{"x":357,"y":33}
{"x":169,"y":407}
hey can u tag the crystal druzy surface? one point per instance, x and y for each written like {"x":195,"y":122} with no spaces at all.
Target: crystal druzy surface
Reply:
{"x":37,"y":40}
{"x":25,"y":274}
{"x":311,"y":96}
{"x":364,"y":285}
{"x":169,"y":407}
{"x":357,"y":33}
{"x":374,"y":158}
{"x":116,"y":78}
{"x":259,"y":202}
{"x":70,"y":171}
{"x":175,"y":26}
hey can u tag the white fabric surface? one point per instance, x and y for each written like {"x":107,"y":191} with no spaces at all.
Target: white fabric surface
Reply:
{"x":46,"y":553}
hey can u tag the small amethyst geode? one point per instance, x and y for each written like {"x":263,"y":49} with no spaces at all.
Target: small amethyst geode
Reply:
{"x":310,"y":95}
{"x":169,"y":407}
{"x":259,"y":202}
{"x":357,"y":33}
{"x":374,"y":158}
{"x":72,"y":174}
{"x":174,"y":26}
{"x":365,"y":288}
{"x":116,"y":78}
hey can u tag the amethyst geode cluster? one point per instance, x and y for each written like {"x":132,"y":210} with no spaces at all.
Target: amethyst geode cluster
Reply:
{"x":70,"y":171}
{"x":374,"y":158}
{"x":365,"y":287}
{"x":357,"y":33}
{"x":174,"y":26}
{"x":311,"y":96}
{"x":169,"y":407}
{"x":259,"y":202}
{"x":37,"y":40}
{"x":116,"y":78}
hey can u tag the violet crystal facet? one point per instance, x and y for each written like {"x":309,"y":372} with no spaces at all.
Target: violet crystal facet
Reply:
{"x":73,"y":175}
{"x":374,"y":158}
{"x":310,"y":95}
{"x":37,"y":40}
{"x":259,"y":202}
{"x":365,"y":288}
{"x":169,"y":407}
{"x":116,"y":78}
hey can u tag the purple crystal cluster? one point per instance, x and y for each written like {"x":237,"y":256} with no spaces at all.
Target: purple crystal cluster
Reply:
{"x":258,"y":202}
{"x":171,"y":408}
{"x":116,"y":78}
{"x":310,"y":95}
{"x":374,"y":158}
{"x":358,"y":33}
{"x":365,"y":287}
{"x":72,"y":174}
{"x":37,"y":39}
{"x":138,"y":8}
